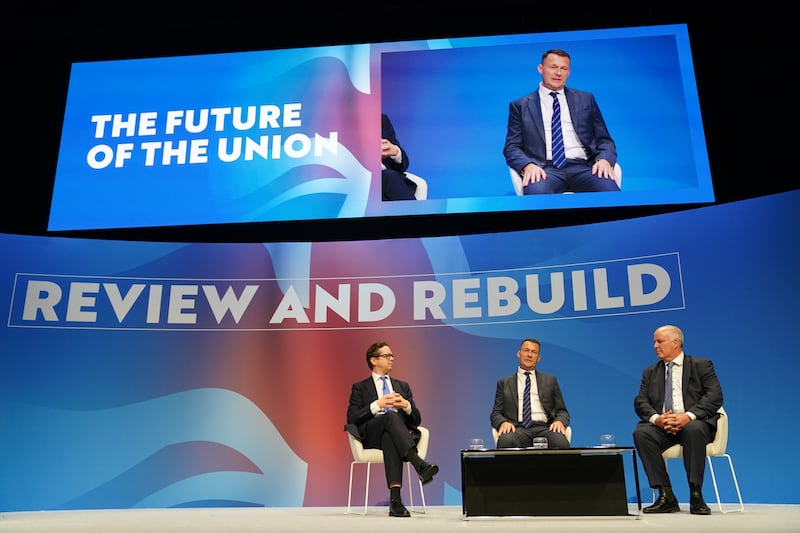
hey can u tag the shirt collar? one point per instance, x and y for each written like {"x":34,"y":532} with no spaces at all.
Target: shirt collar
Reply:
{"x":544,"y":91}
{"x":679,"y":360}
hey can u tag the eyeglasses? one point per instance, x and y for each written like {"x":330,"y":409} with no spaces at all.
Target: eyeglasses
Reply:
{"x":386,"y":355}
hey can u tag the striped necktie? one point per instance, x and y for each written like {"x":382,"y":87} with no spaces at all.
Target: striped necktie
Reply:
{"x":526,"y":402}
{"x":559,"y":157}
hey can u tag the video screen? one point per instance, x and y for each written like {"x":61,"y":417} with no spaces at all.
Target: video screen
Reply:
{"x":294,"y":134}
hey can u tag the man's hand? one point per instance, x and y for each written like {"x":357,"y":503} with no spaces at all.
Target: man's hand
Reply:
{"x":393,"y":400}
{"x":532,"y":174}
{"x":388,"y":149}
{"x":506,"y":427}
{"x":672,"y":423}
{"x":603,"y":169}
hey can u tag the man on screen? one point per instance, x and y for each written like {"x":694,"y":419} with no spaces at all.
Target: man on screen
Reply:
{"x":394,"y":163}
{"x":574,"y":152}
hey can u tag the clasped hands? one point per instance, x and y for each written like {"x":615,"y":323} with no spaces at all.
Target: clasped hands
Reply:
{"x":672,"y":423}
{"x":388,"y":149}
{"x":393,"y":400}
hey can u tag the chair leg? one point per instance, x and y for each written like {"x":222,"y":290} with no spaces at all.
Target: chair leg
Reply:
{"x":735,"y":484}
{"x":366,"y":488}
{"x":411,"y":493}
{"x":350,"y":486}
{"x":422,"y":496}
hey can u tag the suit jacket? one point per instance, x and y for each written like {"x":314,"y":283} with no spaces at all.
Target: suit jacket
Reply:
{"x":525,"y":140}
{"x":702,"y":392}
{"x":363,"y":393}
{"x":387,"y":132}
{"x":506,"y":408}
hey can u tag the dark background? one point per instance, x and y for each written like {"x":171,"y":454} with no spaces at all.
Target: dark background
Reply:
{"x":742,"y":60}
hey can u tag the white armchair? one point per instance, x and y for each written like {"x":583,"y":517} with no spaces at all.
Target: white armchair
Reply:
{"x":422,"y":186}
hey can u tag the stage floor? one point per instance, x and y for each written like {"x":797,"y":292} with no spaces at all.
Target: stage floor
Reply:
{"x":762,"y":518}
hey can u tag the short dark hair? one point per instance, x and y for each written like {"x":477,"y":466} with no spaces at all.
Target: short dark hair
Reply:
{"x":556,"y":51}
{"x":531,"y":339}
{"x":372,"y":351}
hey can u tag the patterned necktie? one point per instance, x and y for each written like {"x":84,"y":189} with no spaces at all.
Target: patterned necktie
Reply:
{"x":559,"y":157}
{"x":526,"y":402}
{"x":668,"y":388}
{"x":386,"y":391}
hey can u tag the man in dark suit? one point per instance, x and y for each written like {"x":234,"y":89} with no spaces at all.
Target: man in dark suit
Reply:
{"x":382,"y":414}
{"x":589,"y":148}
{"x":548,"y":414}
{"x":394,"y":163}
{"x":688,"y":416}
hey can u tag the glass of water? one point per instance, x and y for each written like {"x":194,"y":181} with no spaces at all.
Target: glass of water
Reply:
{"x":476,"y":444}
{"x":607,"y":440}
{"x":539,"y":443}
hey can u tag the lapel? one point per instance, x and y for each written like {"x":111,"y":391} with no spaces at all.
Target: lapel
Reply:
{"x":661,"y":374}
{"x":686,"y":371}
{"x":535,"y":108}
{"x":513,"y":392}
{"x":575,"y":117}
{"x":371,"y":391}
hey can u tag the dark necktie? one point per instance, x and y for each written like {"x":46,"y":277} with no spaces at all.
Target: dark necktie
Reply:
{"x":386,"y":391}
{"x":559,"y":157}
{"x":526,"y":402}
{"x":668,"y":388}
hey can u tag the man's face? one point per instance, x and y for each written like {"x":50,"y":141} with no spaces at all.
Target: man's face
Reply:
{"x":554,"y":71}
{"x":383,"y":361}
{"x":528,"y":355}
{"x":666,"y":345}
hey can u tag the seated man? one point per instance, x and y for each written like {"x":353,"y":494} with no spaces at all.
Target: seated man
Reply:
{"x":381,"y":413}
{"x":528,"y":404}
{"x":394,"y":163}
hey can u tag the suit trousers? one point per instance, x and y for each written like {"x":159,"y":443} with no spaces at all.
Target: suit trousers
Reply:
{"x":523,"y":437}
{"x":390,"y":433}
{"x":651,"y":441}
{"x":575,"y":177}
{"x":396,"y":186}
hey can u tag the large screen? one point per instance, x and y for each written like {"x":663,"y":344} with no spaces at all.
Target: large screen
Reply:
{"x":293,"y":134}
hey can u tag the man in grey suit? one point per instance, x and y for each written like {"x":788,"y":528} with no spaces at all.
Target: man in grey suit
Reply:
{"x":548,"y":416}
{"x":589,"y":149}
{"x":686,"y":415}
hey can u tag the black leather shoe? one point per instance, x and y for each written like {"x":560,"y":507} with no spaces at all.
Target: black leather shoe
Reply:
{"x":426,"y":472}
{"x":663,"y":504}
{"x":396,"y":508}
{"x":696,"y":503}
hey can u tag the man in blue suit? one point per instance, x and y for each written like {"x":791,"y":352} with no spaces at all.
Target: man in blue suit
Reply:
{"x":685,"y":415}
{"x":382,"y":414}
{"x":589,"y":149}
{"x":394,"y":163}
{"x":548,"y":415}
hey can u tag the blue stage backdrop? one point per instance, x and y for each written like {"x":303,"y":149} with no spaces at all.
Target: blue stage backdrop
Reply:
{"x":140,"y":374}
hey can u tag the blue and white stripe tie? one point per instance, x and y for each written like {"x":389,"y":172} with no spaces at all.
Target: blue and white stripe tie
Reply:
{"x":559,"y":157}
{"x":526,"y":402}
